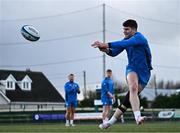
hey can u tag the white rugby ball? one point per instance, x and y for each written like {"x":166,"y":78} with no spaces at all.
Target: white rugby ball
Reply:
{"x":30,"y":33}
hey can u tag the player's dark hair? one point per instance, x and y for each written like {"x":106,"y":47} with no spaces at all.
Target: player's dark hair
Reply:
{"x":130,"y":23}
{"x":71,"y":74}
{"x":108,"y":70}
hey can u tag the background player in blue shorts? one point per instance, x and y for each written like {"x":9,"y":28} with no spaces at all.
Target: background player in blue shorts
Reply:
{"x":71,"y":91}
{"x":137,"y":70}
{"x":107,"y":95}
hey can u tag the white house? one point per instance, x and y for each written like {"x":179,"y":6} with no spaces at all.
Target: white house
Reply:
{"x":27,"y":89}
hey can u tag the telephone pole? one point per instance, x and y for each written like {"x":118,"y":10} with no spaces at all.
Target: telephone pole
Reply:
{"x":84,"y":77}
{"x":104,"y":39}
{"x":155,"y":85}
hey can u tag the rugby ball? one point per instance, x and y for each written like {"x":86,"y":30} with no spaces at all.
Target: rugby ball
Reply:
{"x":30,"y":33}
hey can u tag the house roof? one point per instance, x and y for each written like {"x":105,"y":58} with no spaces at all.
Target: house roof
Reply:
{"x":42,"y":90}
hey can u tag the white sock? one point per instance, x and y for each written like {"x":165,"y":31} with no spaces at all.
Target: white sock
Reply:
{"x":105,"y":120}
{"x":71,"y":121}
{"x":67,"y":121}
{"x":122,"y":119}
{"x":137,"y":114}
{"x":112,"y":120}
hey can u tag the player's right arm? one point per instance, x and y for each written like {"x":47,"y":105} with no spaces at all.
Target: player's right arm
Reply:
{"x":67,"y":89}
{"x":135,"y":40}
{"x":112,"y":51}
{"x":104,"y":87}
{"x":109,"y":51}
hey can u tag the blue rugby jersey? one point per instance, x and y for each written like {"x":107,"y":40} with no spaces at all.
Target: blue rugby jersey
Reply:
{"x":71,"y":90}
{"x":138,"y":51}
{"x":107,"y":85}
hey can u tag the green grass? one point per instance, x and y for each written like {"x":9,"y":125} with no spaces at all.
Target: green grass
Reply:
{"x":156,"y":127}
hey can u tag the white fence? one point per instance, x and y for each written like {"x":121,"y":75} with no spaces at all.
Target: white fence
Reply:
{"x":31,"y":106}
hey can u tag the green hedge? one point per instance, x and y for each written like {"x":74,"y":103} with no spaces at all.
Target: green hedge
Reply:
{"x":160,"y":101}
{"x":172,"y":101}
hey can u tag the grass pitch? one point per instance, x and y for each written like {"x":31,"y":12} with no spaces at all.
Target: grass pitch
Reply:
{"x":156,"y":127}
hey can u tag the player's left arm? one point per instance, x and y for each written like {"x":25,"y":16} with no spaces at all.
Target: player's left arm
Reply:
{"x":109,"y":90}
{"x":78,"y":89}
{"x":110,"y":94}
{"x":68,"y":90}
{"x":133,"y":41}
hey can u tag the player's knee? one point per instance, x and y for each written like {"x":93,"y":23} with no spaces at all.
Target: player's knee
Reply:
{"x":107,"y":112}
{"x":68,"y":112}
{"x":133,"y":88}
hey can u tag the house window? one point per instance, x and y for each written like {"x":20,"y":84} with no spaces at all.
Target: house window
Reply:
{"x":10,"y":85}
{"x":26,"y":85}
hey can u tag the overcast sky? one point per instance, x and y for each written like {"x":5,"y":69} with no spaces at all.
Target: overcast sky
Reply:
{"x":68,"y":27}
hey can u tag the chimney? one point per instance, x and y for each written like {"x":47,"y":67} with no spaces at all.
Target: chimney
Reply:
{"x":28,"y":70}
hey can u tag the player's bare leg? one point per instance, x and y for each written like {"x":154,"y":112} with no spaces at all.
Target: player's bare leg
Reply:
{"x":68,"y":112}
{"x":72,"y":116}
{"x":106,"y":113}
{"x":113,"y":119}
{"x":132,"y":80}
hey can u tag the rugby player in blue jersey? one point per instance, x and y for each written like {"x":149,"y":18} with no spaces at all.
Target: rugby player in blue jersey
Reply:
{"x":138,"y":70}
{"x":107,"y":95}
{"x":71,"y":91}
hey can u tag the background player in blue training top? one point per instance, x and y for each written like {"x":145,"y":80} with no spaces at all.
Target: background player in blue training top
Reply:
{"x":71,"y":91}
{"x":137,"y":70}
{"x":107,"y":95}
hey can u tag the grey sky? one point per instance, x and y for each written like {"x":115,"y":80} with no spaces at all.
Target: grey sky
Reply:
{"x":159,"y":21}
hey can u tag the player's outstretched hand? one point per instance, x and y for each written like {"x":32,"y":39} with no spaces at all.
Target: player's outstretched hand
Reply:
{"x":100,"y":45}
{"x":96,"y":44}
